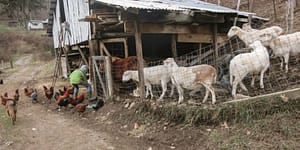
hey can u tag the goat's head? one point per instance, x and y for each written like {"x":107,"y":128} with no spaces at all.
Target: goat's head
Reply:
{"x":233,"y":31}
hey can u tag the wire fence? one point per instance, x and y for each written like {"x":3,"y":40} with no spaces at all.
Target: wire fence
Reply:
{"x":275,"y":79}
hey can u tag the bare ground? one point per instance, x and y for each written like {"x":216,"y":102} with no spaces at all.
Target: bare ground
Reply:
{"x":41,"y":126}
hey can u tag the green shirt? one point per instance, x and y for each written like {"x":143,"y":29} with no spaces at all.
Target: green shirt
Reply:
{"x":77,"y":76}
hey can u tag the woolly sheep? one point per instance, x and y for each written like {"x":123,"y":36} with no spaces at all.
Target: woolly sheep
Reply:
{"x":249,"y":37}
{"x":153,"y":76}
{"x":192,"y":78}
{"x":254,"y":62}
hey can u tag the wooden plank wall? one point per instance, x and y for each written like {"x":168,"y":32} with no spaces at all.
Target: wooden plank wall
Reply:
{"x":79,"y":31}
{"x":56,"y":26}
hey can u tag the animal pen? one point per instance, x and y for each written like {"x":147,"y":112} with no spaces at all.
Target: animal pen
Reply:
{"x":192,"y":32}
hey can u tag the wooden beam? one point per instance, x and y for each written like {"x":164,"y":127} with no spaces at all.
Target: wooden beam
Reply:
{"x":173,"y":45}
{"x":171,"y":29}
{"x":103,"y":48}
{"x":114,"y":40}
{"x":82,"y":55}
{"x":139,"y":54}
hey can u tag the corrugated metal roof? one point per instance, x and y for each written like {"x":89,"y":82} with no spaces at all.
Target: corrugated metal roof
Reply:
{"x":170,"y":5}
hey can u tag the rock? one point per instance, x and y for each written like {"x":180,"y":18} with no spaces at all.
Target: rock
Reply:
{"x":33,"y":129}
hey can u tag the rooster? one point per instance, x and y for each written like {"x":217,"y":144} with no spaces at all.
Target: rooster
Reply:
{"x":28,"y":92}
{"x":69,"y":89}
{"x":62,"y":100}
{"x":48,"y":92}
{"x":4,"y":99}
{"x":77,"y":100}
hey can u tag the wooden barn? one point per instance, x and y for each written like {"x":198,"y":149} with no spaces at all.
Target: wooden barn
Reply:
{"x":148,"y":29}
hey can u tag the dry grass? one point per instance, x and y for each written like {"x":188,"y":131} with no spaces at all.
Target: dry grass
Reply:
{"x":15,"y":43}
{"x":240,"y":112}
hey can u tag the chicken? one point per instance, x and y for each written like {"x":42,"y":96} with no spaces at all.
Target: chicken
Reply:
{"x":34,"y":96}
{"x":69,"y":89}
{"x":97,"y":105}
{"x":80,"y":107}
{"x":77,"y":100}
{"x":62,"y":100}
{"x":28,"y":92}
{"x":17,"y":95}
{"x":4,"y":99}
{"x":48,"y":92}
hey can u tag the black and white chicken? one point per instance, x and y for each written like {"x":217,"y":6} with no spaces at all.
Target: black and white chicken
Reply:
{"x":34,"y":96}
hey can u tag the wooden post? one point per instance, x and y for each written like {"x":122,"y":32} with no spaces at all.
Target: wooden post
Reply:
{"x":108,"y":75}
{"x":250,"y":5}
{"x":174,"y":46}
{"x":292,"y":6}
{"x":125,"y":47}
{"x":101,"y":48}
{"x":93,"y":46}
{"x":275,"y":10}
{"x":237,"y":8}
{"x":250,"y":19}
{"x":82,"y":55}
{"x":215,"y":41}
{"x":139,"y":54}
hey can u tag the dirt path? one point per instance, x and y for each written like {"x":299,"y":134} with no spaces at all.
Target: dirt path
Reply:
{"x":40,"y":128}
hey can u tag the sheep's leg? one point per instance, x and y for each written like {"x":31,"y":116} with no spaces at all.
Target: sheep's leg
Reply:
{"x":180,"y":93}
{"x":286,"y":60}
{"x":234,"y":86}
{"x":147,"y":92}
{"x":281,"y":63}
{"x":172,"y":90}
{"x":150,"y":89}
{"x":252,"y":81}
{"x":206,"y":94}
{"x":262,"y":77}
{"x":164,"y":89}
{"x":209,"y":88}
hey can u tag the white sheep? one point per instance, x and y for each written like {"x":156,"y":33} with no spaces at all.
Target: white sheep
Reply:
{"x":249,"y":37}
{"x":153,"y":76}
{"x":192,"y":78}
{"x":285,"y":45}
{"x":254,"y":62}
{"x":247,"y":27}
